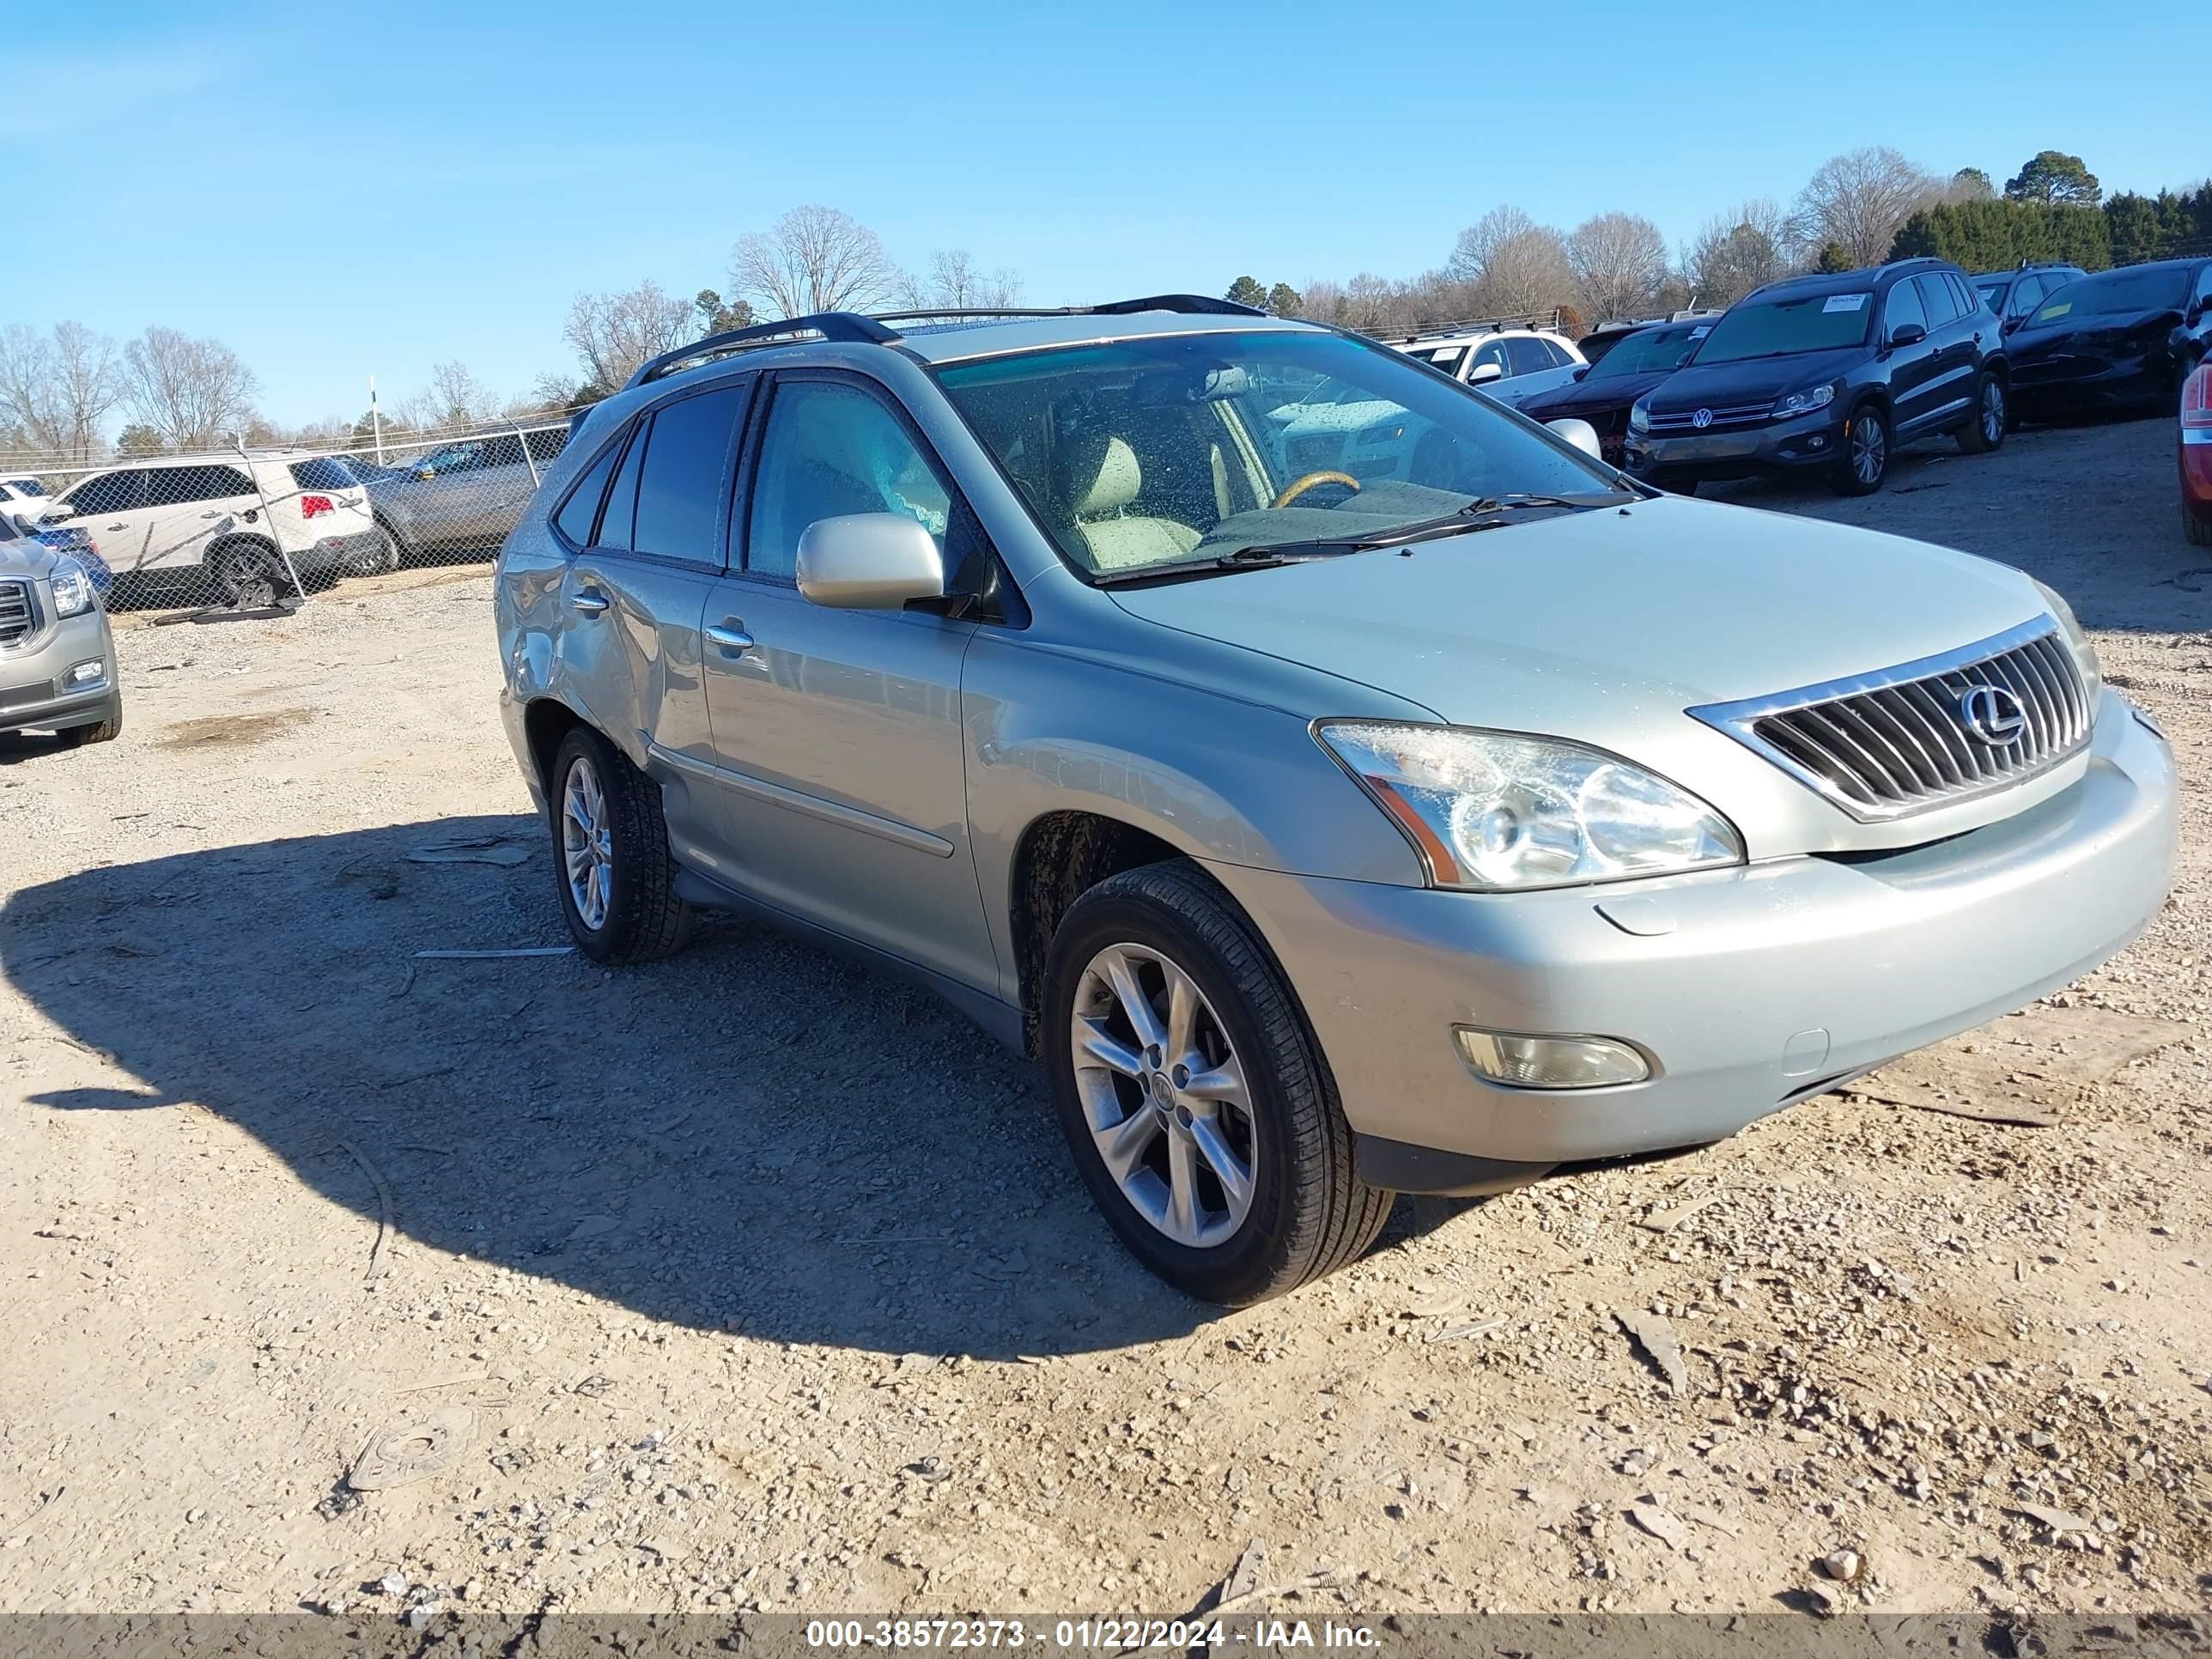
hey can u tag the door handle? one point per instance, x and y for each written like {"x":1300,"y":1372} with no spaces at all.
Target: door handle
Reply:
{"x":731,"y":636}
{"x":119,"y":526}
{"x":587,"y":601}
{"x":210,"y":515}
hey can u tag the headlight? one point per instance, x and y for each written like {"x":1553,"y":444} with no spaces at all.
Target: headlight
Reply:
{"x":72,"y":586}
{"x":1491,"y":811}
{"x":1804,"y":403}
{"x":1639,"y":417}
{"x":2085,"y":654}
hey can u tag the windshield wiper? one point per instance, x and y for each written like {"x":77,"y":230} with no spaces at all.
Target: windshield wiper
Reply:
{"x":1515,"y":499}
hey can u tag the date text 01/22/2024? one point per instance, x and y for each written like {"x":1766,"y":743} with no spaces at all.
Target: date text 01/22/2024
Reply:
{"x":1089,"y":1635}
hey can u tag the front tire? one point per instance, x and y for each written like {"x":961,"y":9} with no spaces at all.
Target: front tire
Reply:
{"x":1865,"y":462}
{"x":1984,"y":431}
{"x":106,"y":729}
{"x":611,"y":866}
{"x":1194,"y":1095}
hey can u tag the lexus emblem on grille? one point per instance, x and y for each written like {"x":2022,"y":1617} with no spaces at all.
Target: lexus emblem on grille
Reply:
{"x":1704,"y":417}
{"x":1992,"y":714}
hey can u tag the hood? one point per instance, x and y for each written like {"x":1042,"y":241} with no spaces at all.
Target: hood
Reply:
{"x":1604,"y":626}
{"x":2092,"y":326}
{"x":22,"y":555}
{"x":1516,"y":391}
{"x":1754,"y":380}
{"x":1596,"y":395}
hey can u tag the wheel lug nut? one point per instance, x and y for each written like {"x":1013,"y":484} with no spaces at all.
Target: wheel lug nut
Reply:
{"x":1181,"y":1077}
{"x":1152,"y":1056}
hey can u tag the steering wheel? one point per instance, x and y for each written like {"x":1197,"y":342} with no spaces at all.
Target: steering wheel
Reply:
{"x":1313,"y":480}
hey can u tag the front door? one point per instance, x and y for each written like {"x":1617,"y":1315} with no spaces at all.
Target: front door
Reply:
{"x":837,"y":733}
{"x":1910,"y":365}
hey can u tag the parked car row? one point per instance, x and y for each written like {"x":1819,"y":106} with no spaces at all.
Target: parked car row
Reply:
{"x":220,"y":527}
{"x":1827,"y":374}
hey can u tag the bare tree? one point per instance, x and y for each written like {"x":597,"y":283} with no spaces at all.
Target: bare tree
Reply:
{"x":1620,"y":261}
{"x":1737,"y":252}
{"x":1479,"y":243}
{"x":1860,"y":200}
{"x":1527,"y":272}
{"x":455,"y":397}
{"x":957,"y":284}
{"x":614,"y":334}
{"x":59,"y":387}
{"x":813,"y":259}
{"x":193,"y":392}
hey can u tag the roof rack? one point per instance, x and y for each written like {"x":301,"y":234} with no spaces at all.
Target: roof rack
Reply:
{"x":1476,"y":325}
{"x":851,"y":327}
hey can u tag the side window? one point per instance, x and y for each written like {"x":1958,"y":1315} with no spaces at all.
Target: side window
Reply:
{"x":1935,"y":298}
{"x":1492,"y":353}
{"x":2026,"y":294}
{"x":582,"y":510}
{"x":111,"y":492}
{"x":2205,"y":283}
{"x":830,"y":450}
{"x":1903,"y":306}
{"x":177,"y":486}
{"x":682,"y":486}
{"x":225,"y":482}
{"x":1525,"y":354}
{"x":618,"y":523}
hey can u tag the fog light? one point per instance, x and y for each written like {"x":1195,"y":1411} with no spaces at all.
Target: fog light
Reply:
{"x":86,"y":673}
{"x":1549,"y":1062}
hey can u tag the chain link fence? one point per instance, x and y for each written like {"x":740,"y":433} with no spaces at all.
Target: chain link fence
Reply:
{"x":250,"y":528}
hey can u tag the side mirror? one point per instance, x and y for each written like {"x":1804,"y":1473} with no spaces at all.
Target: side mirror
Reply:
{"x":869,"y":561}
{"x":2012,"y":322}
{"x":1581,"y":369}
{"x":1581,"y":434}
{"x":1481,"y":373}
{"x":1905,"y":334}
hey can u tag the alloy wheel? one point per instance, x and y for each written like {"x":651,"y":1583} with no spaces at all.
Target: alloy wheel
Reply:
{"x":1164,"y":1095}
{"x":1993,"y":412}
{"x":587,"y":850}
{"x":1870,"y":448}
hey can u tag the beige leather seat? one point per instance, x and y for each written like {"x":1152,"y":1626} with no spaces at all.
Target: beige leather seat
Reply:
{"x":1117,"y":538}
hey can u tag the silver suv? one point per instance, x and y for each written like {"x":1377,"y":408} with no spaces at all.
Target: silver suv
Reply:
{"x":1324,"y":838}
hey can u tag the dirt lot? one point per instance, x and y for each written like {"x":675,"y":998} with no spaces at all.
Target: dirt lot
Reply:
{"x":754,"y":1280}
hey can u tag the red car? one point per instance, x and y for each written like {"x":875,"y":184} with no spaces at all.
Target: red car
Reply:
{"x":2196,"y":456}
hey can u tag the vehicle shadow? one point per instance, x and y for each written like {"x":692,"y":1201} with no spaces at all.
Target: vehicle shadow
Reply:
{"x":754,"y":1136}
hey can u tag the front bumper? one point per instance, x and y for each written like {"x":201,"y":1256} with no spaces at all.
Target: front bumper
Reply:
{"x":1768,"y":984}
{"x":1793,"y":446}
{"x":35,"y":691}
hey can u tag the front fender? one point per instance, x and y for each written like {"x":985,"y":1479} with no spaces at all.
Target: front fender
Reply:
{"x":1233,"y":782}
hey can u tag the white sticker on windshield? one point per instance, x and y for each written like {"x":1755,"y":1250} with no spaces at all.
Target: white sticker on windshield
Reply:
{"x":1845,"y":303}
{"x":1700,"y":333}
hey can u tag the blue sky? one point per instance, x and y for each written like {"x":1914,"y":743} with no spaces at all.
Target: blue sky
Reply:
{"x":336,"y":198}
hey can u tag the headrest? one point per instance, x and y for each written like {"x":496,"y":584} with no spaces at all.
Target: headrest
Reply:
{"x":1099,"y":476}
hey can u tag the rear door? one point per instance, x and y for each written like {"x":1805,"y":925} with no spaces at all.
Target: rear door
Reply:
{"x":1955,"y":360}
{"x":837,"y":733}
{"x":1910,"y":366}
{"x":646,"y":524}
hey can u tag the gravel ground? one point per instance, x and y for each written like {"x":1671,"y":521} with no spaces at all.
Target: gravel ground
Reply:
{"x":755,"y":1280}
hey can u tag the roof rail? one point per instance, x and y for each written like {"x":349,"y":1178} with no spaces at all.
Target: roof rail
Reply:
{"x":845,"y":325}
{"x":850,"y":327}
{"x":1477,"y":325}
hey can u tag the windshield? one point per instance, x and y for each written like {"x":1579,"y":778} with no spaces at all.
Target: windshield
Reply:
{"x":1178,"y":449}
{"x":1648,"y":350}
{"x":27,"y":486}
{"x":1993,"y":293}
{"x":2160,"y":288}
{"x":1776,"y":328}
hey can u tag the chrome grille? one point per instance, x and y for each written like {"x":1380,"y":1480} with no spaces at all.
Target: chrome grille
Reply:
{"x":1685,"y":420}
{"x":15,"y":617}
{"x":1888,"y":744}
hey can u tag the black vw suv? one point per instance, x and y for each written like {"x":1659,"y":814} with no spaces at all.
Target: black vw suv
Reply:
{"x":1829,"y":373}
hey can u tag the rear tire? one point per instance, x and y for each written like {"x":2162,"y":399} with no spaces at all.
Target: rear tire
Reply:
{"x":1984,"y":431}
{"x":1251,"y":1079}
{"x":382,"y":560}
{"x":1674,"y":484}
{"x":2197,"y":530}
{"x":106,"y":729}
{"x":1865,"y":466}
{"x":243,"y":570}
{"x":611,"y":865}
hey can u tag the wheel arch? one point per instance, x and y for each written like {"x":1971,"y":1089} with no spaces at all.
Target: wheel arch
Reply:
{"x":1059,"y":856}
{"x":545,"y":721}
